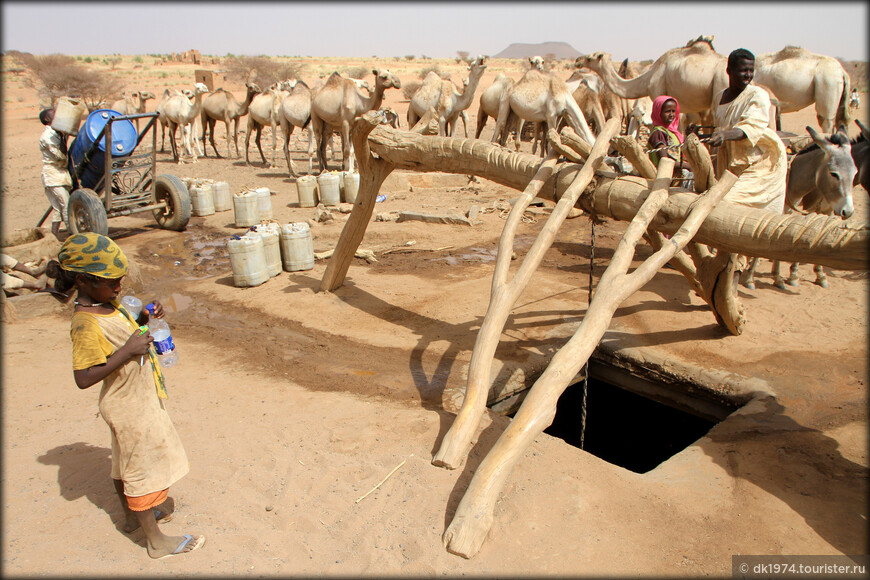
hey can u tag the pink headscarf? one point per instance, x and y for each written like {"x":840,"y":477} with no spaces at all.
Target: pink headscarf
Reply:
{"x":658,"y":104}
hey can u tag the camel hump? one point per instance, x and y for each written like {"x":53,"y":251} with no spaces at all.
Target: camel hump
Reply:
{"x":789,"y":52}
{"x":334,"y":79}
{"x":708,"y":40}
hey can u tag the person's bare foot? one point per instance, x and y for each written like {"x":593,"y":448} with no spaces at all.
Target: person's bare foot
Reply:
{"x":175,"y":546}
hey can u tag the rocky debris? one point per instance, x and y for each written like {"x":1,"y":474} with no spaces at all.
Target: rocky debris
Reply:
{"x":433,"y":218}
{"x":322,"y":214}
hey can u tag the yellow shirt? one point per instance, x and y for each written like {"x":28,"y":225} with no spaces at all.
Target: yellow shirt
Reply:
{"x":147,"y":453}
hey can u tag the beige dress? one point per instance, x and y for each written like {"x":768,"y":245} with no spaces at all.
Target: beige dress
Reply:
{"x":760,"y":160}
{"x":146,"y":451}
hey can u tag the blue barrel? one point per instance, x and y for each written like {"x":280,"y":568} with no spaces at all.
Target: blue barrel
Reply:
{"x":124,"y":137}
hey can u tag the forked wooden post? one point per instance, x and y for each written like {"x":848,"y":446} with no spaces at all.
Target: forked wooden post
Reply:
{"x":454,"y":447}
{"x":372,"y":173}
{"x":474,"y":514}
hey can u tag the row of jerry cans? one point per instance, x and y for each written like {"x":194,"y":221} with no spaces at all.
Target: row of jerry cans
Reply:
{"x":329,"y":188}
{"x":266,"y":249}
{"x":250,"y":206}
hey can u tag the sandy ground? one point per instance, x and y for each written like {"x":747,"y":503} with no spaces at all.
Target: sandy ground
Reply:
{"x":293,"y":404}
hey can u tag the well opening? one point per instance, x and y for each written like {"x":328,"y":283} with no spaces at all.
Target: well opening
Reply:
{"x":633,"y":421}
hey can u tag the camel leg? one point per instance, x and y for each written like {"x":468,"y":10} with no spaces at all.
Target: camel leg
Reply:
{"x":274,"y":128}
{"x":172,"y":143}
{"x":257,"y":141}
{"x":501,"y":123}
{"x":474,"y":514}
{"x":211,"y":126}
{"x":793,"y":278}
{"x":481,"y":123}
{"x":504,"y":294}
{"x":821,"y":277}
{"x":248,"y":139}
{"x":749,"y":277}
{"x":287,"y":133}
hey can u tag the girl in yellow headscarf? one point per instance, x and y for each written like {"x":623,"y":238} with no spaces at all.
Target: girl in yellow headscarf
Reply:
{"x":109,"y":346}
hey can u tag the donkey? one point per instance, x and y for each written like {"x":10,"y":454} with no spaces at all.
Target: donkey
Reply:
{"x":819,"y":180}
{"x":861,"y":157}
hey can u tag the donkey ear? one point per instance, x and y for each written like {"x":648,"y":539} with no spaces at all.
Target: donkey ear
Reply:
{"x":818,"y":138}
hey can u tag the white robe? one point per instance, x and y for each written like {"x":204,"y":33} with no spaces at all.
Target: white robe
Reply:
{"x":760,"y":159}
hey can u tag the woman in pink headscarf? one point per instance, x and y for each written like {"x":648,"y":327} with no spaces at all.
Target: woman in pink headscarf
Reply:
{"x":665,"y":137}
{"x":665,"y":131}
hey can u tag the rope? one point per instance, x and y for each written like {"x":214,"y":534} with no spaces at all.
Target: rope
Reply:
{"x":586,"y":364}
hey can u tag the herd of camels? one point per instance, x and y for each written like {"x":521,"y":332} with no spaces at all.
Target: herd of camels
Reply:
{"x":597,"y":92}
{"x":695,"y":232}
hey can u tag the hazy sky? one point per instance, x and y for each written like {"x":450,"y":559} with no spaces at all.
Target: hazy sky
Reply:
{"x":388,"y":29}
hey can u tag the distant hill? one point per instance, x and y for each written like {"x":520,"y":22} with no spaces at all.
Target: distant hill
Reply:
{"x":522,"y":50}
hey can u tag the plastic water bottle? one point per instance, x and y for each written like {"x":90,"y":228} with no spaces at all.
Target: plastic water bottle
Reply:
{"x":167,"y":354}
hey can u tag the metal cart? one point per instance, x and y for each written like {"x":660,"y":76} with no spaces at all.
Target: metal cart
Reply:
{"x":133,"y":183}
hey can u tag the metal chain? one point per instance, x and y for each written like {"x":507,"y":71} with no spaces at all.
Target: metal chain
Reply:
{"x":586,"y":364}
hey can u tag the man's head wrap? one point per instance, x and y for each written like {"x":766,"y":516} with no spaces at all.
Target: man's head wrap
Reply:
{"x":94,"y":254}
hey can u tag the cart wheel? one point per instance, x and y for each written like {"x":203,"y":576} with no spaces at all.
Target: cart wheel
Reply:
{"x":176,"y":214}
{"x":85,"y":213}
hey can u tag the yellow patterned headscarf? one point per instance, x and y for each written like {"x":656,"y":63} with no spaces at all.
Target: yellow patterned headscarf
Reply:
{"x":94,"y":254}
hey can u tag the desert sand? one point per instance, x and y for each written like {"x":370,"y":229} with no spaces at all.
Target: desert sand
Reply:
{"x":293,"y":405}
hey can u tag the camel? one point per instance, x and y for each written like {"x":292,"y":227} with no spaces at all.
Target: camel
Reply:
{"x":692,"y":74}
{"x":179,"y":111}
{"x":489,"y":100}
{"x":161,"y":117}
{"x":263,"y":111}
{"x":425,"y":98}
{"x":337,"y":103}
{"x":452,"y":103}
{"x":221,"y":105}
{"x":799,"y":78}
{"x":132,"y":104}
{"x":294,"y":111}
{"x":539,"y":97}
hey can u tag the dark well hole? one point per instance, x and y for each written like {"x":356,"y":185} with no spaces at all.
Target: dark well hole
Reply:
{"x":625,"y":428}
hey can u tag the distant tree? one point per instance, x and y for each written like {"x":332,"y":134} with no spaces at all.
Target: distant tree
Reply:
{"x":57,"y":75}
{"x":261,"y":70}
{"x":409,"y":57}
{"x":463,"y":55}
{"x":356,"y":72}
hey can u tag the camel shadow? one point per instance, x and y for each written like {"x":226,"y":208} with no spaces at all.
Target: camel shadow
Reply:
{"x":799,"y":465}
{"x":77,"y":463}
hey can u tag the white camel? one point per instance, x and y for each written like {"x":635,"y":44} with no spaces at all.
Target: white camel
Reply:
{"x":452,"y":103}
{"x":161,"y":116}
{"x":540,"y":97}
{"x":263,"y":111}
{"x":798,"y":78}
{"x":223,"y":106}
{"x":294,"y":110}
{"x":490,"y":99}
{"x":180,"y":112}
{"x":337,"y":103}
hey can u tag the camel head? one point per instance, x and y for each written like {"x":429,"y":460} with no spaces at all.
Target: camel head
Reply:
{"x":479,"y":64}
{"x":595,"y":61}
{"x":145,"y":95}
{"x":537,"y":62}
{"x":385,"y":79}
{"x":199,"y":89}
{"x":361,"y":84}
{"x":253,"y":88}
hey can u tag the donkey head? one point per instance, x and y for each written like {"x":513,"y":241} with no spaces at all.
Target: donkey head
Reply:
{"x":834,"y":178}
